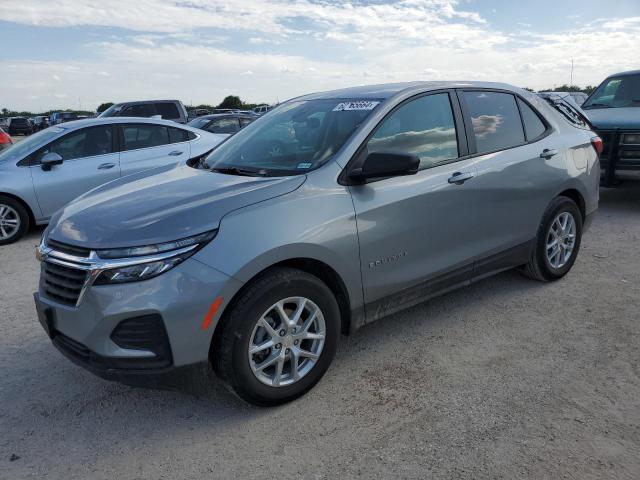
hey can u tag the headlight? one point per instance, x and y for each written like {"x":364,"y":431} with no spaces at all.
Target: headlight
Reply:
{"x":153,"y":259}
{"x":157,"y":248}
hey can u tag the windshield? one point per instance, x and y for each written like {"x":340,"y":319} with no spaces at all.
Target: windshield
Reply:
{"x":616,"y":92}
{"x":199,"y":122}
{"x":20,"y":149}
{"x":294,"y":138}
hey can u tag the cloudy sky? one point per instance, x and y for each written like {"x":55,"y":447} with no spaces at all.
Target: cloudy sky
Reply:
{"x":80,"y":53}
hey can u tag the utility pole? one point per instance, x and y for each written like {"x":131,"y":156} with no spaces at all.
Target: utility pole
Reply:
{"x":571,"y":83}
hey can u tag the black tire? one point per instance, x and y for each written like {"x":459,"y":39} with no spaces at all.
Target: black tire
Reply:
{"x":229,"y":353}
{"x":539,"y":268}
{"x":23,"y":216}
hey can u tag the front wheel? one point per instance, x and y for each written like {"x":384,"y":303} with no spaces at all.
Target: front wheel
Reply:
{"x":279,"y":337}
{"x":14,"y":220}
{"x":557,"y":242}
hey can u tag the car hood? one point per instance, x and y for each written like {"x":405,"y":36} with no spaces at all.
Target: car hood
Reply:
{"x":160,"y":205}
{"x":609,"y":118}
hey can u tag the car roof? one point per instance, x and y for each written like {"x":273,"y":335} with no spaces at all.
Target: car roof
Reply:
{"x":135,"y":102}
{"x":87,"y":122}
{"x":624,"y":74}
{"x":385,"y":91}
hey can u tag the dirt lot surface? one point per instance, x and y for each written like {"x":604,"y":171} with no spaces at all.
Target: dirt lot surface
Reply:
{"x":506,"y":379}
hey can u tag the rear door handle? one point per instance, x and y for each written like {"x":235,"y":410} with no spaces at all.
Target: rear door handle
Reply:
{"x":175,"y":153}
{"x":459,"y":178}
{"x":106,"y":166}
{"x":548,"y":153}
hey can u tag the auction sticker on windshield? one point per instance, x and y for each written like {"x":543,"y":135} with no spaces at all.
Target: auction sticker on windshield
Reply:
{"x":360,"y":105}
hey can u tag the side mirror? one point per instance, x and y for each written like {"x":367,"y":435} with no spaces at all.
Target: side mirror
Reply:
{"x":50,"y":159}
{"x":386,"y":164}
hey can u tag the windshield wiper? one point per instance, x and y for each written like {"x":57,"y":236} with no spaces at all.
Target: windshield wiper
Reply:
{"x":239,"y":171}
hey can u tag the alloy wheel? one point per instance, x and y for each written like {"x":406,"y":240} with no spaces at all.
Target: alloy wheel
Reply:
{"x":9,"y":222}
{"x":561,"y":240}
{"x":287,"y":341}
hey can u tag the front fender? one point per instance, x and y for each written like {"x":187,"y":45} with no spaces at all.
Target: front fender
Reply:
{"x":309,"y":223}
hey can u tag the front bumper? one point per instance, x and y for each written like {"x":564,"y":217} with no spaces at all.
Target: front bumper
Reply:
{"x":97,"y":334}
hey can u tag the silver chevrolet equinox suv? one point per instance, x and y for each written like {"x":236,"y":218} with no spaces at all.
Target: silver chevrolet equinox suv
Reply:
{"x":253,"y":260}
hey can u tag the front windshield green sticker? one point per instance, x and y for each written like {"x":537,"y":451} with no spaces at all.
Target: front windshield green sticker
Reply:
{"x":360,"y":105}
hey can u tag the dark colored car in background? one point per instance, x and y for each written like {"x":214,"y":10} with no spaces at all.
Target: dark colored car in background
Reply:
{"x":222,"y":123}
{"x":62,"y":117}
{"x":19,"y":126}
{"x":614,"y":110}
{"x":40,"y":123}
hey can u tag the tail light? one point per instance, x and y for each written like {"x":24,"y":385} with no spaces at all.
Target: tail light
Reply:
{"x":597,"y":145}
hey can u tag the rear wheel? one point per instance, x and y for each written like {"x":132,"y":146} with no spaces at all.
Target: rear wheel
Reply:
{"x":557,"y":242}
{"x":14,"y":220}
{"x":279,"y":337}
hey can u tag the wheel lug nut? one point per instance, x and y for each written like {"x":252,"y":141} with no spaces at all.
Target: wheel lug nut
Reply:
{"x":282,"y":333}
{"x":278,"y":346}
{"x":295,"y":342}
{"x":287,"y":351}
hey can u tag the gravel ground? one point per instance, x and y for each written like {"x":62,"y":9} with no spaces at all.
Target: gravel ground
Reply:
{"x":507,"y":379}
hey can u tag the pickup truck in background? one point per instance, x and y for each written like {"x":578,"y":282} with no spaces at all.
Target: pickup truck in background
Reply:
{"x":165,"y":109}
{"x":614,"y":111}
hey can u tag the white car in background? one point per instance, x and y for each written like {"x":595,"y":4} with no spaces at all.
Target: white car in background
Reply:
{"x":44,"y":172}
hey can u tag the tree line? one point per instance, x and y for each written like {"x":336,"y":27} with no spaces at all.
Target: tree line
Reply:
{"x":236,"y":103}
{"x":566,"y":88}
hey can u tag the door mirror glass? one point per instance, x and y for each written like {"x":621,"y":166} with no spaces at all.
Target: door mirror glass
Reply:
{"x":50,"y":159}
{"x":386,"y":164}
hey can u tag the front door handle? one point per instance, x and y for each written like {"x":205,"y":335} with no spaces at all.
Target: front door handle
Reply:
{"x":459,"y":178}
{"x":106,"y":166}
{"x":548,"y":153}
{"x":175,"y":153}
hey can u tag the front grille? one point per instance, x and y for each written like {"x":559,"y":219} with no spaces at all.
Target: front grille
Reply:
{"x":62,"y":284}
{"x":68,"y":249}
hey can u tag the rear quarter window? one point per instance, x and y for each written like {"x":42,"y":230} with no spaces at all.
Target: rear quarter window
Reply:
{"x":177,"y":135}
{"x":534,"y":127}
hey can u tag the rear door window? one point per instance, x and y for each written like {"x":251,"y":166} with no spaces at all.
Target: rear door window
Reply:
{"x":142,"y":110}
{"x":424,"y":127}
{"x":495,"y":119}
{"x":169,"y":111}
{"x":144,"y":136}
{"x":533,"y":125}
